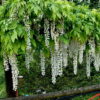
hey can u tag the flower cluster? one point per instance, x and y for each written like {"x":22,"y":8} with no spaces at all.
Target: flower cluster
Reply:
{"x":81,"y":52}
{"x":5,"y":62}
{"x":56,"y":65}
{"x":42,"y":57}
{"x":88,"y":62}
{"x":61,"y":52}
{"x":28,"y":43}
{"x":15,"y":72}
{"x":65,"y":54}
{"x":46,"y":32}
{"x":97,"y":61}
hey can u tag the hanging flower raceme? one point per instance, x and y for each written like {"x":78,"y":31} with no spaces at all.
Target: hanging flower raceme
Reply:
{"x":65,"y":54}
{"x":71,"y":48}
{"x":88,"y":1}
{"x":5,"y":62}
{"x":54,"y":35}
{"x":57,"y":55}
{"x":52,"y":29}
{"x":75,"y":63}
{"x":42,"y":58}
{"x":15,"y":72}
{"x":60,"y":63}
{"x":28,"y":43}
{"x":80,"y":0}
{"x":81,"y":51}
{"x":73,"y":53}
{"x":46,"y":32}
{"x":88,"y":65}
{"x":92,"y":48}
{"x":94,"y":57}
{"x":56,"y":41}
{"x":54,"y":67}
{"x":97,"y":61}
{"x":3,"y":1}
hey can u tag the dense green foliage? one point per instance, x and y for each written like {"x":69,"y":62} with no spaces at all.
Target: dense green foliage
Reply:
{"x":33,"y":80}
{"x":81,"y":23}
{"x":2,"y":82}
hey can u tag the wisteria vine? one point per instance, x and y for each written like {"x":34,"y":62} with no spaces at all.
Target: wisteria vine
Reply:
{"x":68,"y":32}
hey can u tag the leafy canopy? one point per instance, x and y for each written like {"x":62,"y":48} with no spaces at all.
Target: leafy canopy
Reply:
{"x":80,"y":23}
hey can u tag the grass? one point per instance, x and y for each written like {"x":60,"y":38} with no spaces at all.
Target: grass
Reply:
{"x":86,"y":97}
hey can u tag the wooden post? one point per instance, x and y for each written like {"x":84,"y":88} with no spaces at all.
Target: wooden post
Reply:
{"x":9,"y":84}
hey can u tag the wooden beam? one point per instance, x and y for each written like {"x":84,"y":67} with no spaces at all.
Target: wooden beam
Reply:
{"x":59,"y":93}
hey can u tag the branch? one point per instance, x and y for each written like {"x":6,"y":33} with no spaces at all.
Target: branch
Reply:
{"x":59,"y":93}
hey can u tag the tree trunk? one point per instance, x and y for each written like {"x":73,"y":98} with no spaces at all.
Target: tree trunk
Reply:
{"x":71,"y":92}
{"x":9,"y":84}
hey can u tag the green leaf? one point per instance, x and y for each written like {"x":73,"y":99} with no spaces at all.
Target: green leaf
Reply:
{"x":12,"y":25}
{"x":14,"y":36}
{"x":33,"y":42}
